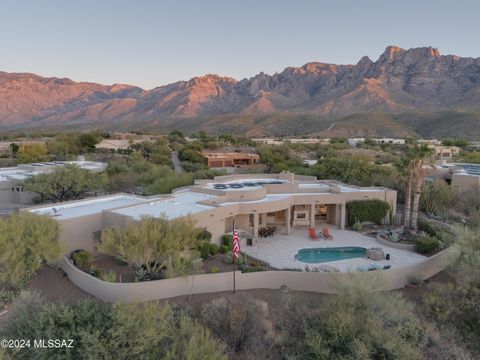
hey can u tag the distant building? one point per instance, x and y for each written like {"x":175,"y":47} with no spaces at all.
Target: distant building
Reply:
{"x":272,"y":141}
{"x":116,"y":144}
{"x":230,"y":159}
{"x":430,"y":142}
{"x":444,"y":152}
{"x":11,"y":192}
{"x":360,"y":140}
{"x":460,"y":175}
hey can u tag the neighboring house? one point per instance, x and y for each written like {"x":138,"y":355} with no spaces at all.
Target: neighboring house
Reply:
{"x":460,"y":175}
{"x":355,"y":141}
{"x":230,"y":159}
{"x":271,"y":141}
{"x":11,"y":192}
{"x":115,"y":144}
{"x":252,"y":201}
{"x":444,"y":152}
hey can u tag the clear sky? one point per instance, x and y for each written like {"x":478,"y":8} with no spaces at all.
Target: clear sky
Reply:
{"x":152,"y":43}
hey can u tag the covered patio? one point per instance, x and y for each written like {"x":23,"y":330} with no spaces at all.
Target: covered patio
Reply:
{"x":280,"y":250}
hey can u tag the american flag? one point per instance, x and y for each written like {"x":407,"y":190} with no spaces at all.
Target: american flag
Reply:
{"x":236,"y":243}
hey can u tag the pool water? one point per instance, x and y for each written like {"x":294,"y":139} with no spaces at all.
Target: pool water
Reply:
{"x":320,"y":255}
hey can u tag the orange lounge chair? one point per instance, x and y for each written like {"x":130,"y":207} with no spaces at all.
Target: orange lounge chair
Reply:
{"x":312,"y":234}
{"x":326,"y":234}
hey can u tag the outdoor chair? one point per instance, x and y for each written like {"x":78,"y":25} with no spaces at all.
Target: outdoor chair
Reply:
{"x":326,"y":234}
{"x":312,"y":234}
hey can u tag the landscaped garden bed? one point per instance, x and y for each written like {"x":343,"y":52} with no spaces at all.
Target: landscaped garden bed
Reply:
{"x":212,"y":258}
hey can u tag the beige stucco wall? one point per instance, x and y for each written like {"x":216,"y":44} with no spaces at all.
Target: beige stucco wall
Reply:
{"x":78,"y":233}
{"x":465,"y":181}
{"x":210,"y":283}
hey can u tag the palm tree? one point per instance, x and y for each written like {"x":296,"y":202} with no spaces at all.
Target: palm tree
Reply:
{"x":420,"y":159}
{"x":413,"y":168}
{"x":405,"y":171}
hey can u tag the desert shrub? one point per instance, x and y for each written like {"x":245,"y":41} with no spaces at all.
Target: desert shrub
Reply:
{"x":456,"y":305}
{"x":223,"y":249}
{"x":105,"y":331}
{"x":228,"y":259}
{"x":240,"y":260}
{"x":359,"y":323}
{"x":241,"y":326}
{"x":204,"y":251}
{"x":95,"y":271}
{"x":252,"y":269}
{"x":109,"y":276}
{"x":367,"y":210}
{"x":427,"y":245}
{"x":427,"y":226}
{"x":213,"y":249}
{"x":214,"y":270}
{"x":357,"y":226}
{"x":6,"y":297}
{"x":82,"y":259}
{"x":228,"y":241}
{"x":204,"y":236}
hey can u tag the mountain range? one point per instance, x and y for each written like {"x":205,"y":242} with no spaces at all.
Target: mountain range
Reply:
{"x":401,"y":93}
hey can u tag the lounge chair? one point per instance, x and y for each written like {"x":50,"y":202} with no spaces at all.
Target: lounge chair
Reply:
{"x":326,"y":234}
{"x":312,"y":234}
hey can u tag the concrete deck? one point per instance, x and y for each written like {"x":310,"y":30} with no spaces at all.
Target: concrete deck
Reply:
{"x":279,"y":251}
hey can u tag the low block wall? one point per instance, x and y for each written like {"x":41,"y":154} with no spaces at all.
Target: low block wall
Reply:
{"x":210,"y":283}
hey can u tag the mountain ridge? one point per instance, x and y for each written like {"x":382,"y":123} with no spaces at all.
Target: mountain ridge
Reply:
{"x":400,"y":80}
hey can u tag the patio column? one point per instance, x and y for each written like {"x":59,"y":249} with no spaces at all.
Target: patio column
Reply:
{"x":342,"y":216}
{"x":312,"y":215}
{"x":287,"y":220}
{"x":255,"y":224}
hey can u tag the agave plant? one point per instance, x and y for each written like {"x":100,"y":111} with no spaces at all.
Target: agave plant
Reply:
{"x":394,"y":236}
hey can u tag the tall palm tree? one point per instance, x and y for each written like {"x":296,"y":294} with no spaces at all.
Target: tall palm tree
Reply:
{"x":420,"y":160}
{"x":405,"y":171}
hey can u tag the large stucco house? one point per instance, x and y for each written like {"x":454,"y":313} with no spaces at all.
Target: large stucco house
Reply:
{"x":252,"y":201}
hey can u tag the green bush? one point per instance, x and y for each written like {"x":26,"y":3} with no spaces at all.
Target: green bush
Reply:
{"x":228,"y":241}
{"x":214,"y":270}
{"x":357,"y":226}
{"x":109,"y":276}
{"x":204,"y":236}
{"x":223,"y":249}
{"x":228,"y":258}
{"x":428,"y":227}
{"x":213,"y":249}
{"x":427,"y":245}
{"x":95,"y":271}
{"x":253,"y":269}
{"x":204,"y":251}
{"x":367,"y":210}
{"x":6,"y":297}
{"x":82,"y":259}
{"x":240,"y":260}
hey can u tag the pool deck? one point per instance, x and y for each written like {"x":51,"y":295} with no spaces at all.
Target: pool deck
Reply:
{"x":279,"y":251}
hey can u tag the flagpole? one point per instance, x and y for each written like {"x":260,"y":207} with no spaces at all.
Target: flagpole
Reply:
{"x":233,"y":256}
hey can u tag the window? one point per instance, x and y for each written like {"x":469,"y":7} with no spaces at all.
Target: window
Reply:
{"x":301,"y":216}
{"x":250,"y":220}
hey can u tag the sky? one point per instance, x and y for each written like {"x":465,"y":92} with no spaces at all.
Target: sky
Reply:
{"x":152,"y":43}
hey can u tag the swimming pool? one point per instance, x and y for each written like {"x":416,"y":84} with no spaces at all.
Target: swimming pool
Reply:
{"x":320,"y":255}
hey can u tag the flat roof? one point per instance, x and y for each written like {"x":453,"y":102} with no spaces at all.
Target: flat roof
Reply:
{"x":180,"y":204}
{"x":92,"y":206}
{"x":23,"y":171}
